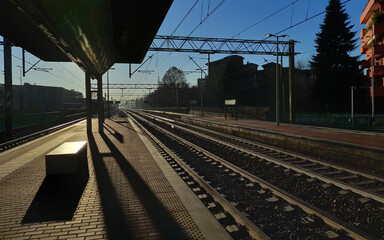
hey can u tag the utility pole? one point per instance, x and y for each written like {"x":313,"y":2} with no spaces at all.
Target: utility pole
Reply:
{"x":283,"y":87}
{"x":291,"y":81}
{"x":277,"y":83}
{"x":277,"y":77}
{"x":88,"y":101}
{"x":352,"y":107}
{"x":373,"y":85}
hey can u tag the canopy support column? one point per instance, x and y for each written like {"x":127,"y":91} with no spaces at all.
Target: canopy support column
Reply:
{"x":88,"y":101}
{"x":100,"y":103}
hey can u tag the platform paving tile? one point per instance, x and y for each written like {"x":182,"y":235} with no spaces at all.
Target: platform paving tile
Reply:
{"x":156,"y":181}
{"x":113,"y":194}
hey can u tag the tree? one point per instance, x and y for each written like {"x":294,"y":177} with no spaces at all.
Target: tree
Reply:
{"x":174,"y":77}
{"x":302,"y":64}
{"x":336,"y":71}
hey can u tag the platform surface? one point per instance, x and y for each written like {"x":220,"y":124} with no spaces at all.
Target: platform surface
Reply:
{"x":131,"y":193}
{"x":364,"y":138}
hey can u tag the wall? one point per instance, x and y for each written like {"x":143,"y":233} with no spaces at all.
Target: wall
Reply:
{"x":360,"y":157}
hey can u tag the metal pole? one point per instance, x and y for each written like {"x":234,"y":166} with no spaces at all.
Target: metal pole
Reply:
{"x":108,"y":106}
{"x":8,"y":87}
{"x":291,"y":81}
{"x":282,"y":88}
{"x":177,"y":99}
{"x":209,"y":62}
{"x":209,"y":75}
{"x":236,"y":111}
{"x":201,"y":97}
{"x":352,"y":108}
{"x":277,"y":83}
{"x":100,"y":104}
{"x":373,"y":85}
{"x":201,"y":92}
{"x":23,"y":62}
{"x":88,"y":101}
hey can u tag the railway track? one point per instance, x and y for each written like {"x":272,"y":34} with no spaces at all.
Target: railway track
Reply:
{"x":364,"y":183}
{"x":349,"y":202}
{"x":19,"y":141}
{"x":274,"y":211}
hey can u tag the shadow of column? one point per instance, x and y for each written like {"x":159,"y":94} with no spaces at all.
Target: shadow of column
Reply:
{"x":160,"y":216}
{"x":117,"y":228}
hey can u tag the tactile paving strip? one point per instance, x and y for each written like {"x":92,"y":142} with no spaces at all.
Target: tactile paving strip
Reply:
{"x":165,"y":193}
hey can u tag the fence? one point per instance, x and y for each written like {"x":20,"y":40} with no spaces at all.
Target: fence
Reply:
{"x":361,"y":121}
{"x":243,"y":112}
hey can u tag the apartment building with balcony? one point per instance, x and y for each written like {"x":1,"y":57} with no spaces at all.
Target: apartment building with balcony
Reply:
{"x":372,"y":44}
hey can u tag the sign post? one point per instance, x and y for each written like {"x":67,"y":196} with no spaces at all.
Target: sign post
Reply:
{"x":230,"y":102}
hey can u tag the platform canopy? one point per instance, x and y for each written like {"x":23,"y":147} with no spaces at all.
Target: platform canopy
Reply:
{"x":94,"y":34}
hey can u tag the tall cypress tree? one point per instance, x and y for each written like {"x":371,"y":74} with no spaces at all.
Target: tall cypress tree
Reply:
{"x":336,"y":71}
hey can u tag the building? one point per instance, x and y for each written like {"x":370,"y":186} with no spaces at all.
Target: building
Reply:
{"x":227,"y":80}
{"x":372,"y":45}
{"x":29,"y":98}
{"x":230,"y":78}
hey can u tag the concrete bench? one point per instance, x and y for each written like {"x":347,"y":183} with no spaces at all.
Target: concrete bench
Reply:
{"x":67,"y":158}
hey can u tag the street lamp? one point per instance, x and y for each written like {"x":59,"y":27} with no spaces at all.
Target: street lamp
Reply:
{"x":108,"y":104}
{"x":277,"y":75}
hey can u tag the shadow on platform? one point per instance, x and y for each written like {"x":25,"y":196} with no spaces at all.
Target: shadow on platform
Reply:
{"x":123,"y":123}
{"x":58,"y":196}
{"x":114,"y":133}
{"x":119,"y":226}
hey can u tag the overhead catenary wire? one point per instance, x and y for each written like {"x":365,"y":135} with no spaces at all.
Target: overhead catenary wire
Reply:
{"x":173,"y":32}
{"x":202,"y":8}
{"x":209,"y":14}
{"x":186,"y":15}
{"x":309,"y":2}
{"x":198,"y":25}
{"x":305,"y":20}
{"x":293,"y":8}
{"x":82,"y":87}
{"x":267,"y":17}
{"x":70,"y":72}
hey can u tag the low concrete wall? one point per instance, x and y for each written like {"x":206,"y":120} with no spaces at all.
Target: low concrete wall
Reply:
{"x":356,"y":156}
{"x":206,"y":114}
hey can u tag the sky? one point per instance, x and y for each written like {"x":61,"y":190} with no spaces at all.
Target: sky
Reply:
{"x":213,"y":18}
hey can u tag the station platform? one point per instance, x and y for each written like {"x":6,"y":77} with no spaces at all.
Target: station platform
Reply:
{"x":131,"y":192}
{"x":361,"y":150}
{"x":363,"y":138}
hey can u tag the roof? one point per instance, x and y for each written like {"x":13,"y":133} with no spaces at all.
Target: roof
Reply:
{"x":269,"y":65}
{"x":228,"y":59}
{"x":95,"y":34}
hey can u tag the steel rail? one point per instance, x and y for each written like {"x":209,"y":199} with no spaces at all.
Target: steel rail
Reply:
{"x":17,"y":142}
{"x":254,"y":231}
{"x":347,"y":186}
{"x":306,"y":207}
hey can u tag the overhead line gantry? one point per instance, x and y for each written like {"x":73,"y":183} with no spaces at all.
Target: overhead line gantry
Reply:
{"x":219,"y":45}
{"x":209,"y":46}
